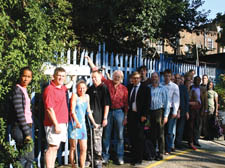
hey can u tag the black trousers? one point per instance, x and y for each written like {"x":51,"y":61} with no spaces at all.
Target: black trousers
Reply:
{"x":136,"y":135}
{"x":157,"y":129}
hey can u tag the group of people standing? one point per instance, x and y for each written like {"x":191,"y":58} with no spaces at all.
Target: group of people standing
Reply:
{"x":110,"y":106}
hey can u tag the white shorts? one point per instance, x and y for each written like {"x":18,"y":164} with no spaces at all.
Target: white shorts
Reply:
{"x":53,"y":138}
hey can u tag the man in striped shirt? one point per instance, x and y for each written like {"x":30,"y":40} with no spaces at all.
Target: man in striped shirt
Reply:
{"x":159,"y":111}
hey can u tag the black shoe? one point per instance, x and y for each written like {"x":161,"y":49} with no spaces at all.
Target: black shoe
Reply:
{"x":98,"y":166}
{"x":160,"y":157}
{"x":138,"y":163}
{"x":206,"y":138}
{"x":197,"y":144}
{"x":180,"y":147}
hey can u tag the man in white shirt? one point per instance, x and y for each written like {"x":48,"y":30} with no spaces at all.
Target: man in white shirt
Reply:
{"x":174,"y":103}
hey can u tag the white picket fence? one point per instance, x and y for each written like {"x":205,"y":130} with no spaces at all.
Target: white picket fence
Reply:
{"x":111,"y":62}
{"x":129,"y":63}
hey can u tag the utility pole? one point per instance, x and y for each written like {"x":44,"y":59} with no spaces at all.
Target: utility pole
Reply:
{"x":197,"y":57}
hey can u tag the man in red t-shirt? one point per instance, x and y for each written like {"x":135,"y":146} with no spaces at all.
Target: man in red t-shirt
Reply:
{"x":56,"y":115}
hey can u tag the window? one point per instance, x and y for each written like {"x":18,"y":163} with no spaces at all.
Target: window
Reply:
{"x":186,"y":48}
{"x":159,"y":47}
{"x":210,"y":44}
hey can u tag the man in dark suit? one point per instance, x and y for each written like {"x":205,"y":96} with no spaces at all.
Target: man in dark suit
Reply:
{"x":139,"y":101}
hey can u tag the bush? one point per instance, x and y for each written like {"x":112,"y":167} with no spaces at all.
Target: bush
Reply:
{"x":220,"y":89}
{"x":9,"y":154}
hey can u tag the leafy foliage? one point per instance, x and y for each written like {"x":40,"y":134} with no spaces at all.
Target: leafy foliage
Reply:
{"x":31,"y":32}
{"x":8,"y":154}
{"x":220,"y":89}
{"x":220,"y":21}
{"x":181,"y":15}
{"x":124,"y":25}
{"x":121,"y":24}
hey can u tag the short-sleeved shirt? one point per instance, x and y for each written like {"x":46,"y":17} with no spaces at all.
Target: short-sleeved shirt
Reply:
{"x":99,"y":98}
{"x":119,"y":95}
{"x":55,"y":98}
{"x":211,"y":100}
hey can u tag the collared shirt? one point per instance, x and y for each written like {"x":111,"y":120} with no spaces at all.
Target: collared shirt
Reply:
{"x":118,"y":95}
{"x":173,"y":96}
{"x":184,"y":100}
{"x":55,"y":98}
{"x":134,"y":106}
{"x":99,"y":98}
{"x":159,"y":99}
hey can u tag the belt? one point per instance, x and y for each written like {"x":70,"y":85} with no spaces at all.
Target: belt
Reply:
{"x":115,"y":108}
{"x":134,"y":111}
{"x":157,"y":109}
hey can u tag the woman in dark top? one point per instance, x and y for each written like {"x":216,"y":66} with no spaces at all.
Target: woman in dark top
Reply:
{"x":22,"y":122}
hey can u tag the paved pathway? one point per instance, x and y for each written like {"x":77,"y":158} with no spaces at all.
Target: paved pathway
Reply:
{"x":210,"y":155}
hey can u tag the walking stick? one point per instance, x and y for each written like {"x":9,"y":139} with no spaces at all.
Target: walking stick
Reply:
{"x":91,"y":139}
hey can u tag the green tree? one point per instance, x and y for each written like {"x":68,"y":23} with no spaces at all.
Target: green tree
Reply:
{"x":8,"y":152}
{"x":180,"y":15}
{"x":31,"y":32}
{"x":124,"y":24}
{"x":220,"y":89}
{"x":121,"y":24}
{"x":220,"y":21}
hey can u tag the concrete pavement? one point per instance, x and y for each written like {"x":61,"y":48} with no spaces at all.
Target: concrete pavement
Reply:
{"x":210,"y":155}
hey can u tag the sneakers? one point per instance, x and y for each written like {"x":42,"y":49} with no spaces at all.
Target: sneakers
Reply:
{"x":120,"y":162}
{"x":87,"y":164}
{"x":104,"y":161}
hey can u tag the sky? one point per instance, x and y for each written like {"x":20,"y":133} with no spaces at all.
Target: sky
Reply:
{"x":215,"y":6}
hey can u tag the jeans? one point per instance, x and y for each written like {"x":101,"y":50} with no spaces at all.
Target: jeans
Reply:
{"x":115,"y":123}
{"x":171,"y":133}
{"x":17,"y":135}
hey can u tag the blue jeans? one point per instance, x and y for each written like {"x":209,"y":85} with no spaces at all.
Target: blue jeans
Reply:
{"x":115,"y":122}
{"x":171,"y":133}
{"x":18,"y":136}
